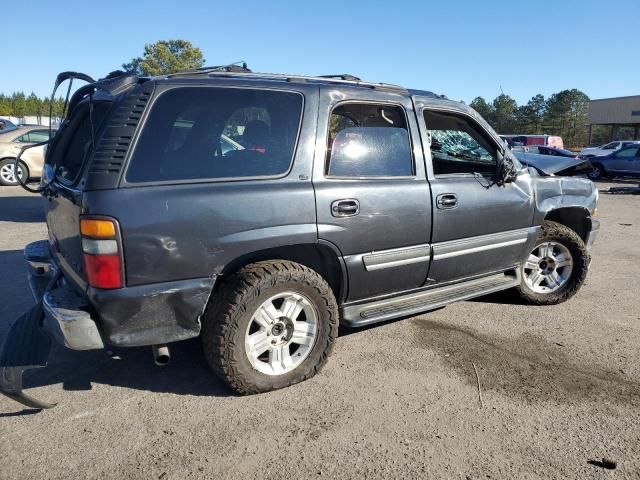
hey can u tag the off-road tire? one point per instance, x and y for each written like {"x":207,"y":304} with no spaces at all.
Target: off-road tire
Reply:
{"x":11,"y":161}
{"x":232,"y":306}
{"x":553,"y":231}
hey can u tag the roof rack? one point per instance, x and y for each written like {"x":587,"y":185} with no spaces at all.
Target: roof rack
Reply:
{"x":305,"y":78}
{"x":239,"y":67}
{"x":343,"y":76}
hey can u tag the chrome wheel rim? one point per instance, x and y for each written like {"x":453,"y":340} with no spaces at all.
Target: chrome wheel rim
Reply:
{"x":281,"y":333}
{"x":8,"y":175}
{"x":548,"y":267}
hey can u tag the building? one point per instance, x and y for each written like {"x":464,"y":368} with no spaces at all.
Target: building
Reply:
{"x":616,"y":113}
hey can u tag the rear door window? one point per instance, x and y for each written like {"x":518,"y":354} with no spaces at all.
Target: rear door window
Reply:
{"x":200,"y":133}
{"x":368,"y":140}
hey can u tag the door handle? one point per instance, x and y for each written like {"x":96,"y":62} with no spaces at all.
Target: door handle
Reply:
{"x":347,"y":207}
{"x":447,"y":200}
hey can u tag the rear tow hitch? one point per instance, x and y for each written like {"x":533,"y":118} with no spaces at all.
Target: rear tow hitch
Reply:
{"x":27,"y":346}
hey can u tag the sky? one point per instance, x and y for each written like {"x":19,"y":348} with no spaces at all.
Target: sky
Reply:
{"x":462,"y":49}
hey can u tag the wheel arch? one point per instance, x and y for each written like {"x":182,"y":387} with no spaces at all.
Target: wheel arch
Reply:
{"x":576,"y":218}
{"x":322,"y":257}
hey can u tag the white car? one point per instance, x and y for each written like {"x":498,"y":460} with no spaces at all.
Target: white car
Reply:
{"x":606,"y":149}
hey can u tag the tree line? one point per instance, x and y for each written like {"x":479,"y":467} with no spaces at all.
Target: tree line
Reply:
{"x":20,"y":105}
{"x":563,"y":113}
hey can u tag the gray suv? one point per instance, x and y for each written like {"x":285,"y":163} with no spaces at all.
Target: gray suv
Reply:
{"x":343,"y":202}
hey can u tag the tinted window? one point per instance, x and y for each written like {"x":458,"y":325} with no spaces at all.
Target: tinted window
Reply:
{"x":37,"y":136}
{"x":368,"y":140}
{"x":627,"y":153}
{"x":73,"y":144}
{"x":458,"y":145}
{"x":610,"y":146}
{"x":208,"y":133}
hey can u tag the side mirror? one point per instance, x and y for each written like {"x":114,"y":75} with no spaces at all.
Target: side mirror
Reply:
{"x":506,"y":170}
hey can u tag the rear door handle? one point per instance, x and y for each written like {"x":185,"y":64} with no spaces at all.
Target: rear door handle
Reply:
{"x":346,"y":207}
{"x":447,"y":200}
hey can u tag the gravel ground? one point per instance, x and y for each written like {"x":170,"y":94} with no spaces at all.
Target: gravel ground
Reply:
{"x":560,"y":387}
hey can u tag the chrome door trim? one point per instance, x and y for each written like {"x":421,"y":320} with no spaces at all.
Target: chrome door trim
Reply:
{"x":396,"y":257}
{"x":481,"y":243}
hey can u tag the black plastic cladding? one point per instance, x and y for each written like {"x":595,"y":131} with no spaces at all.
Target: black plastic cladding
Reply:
{"x":113,"y":145}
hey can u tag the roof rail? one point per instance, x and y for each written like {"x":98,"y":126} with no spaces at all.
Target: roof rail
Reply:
{"x":305,"y":78}
{"x":240,"y":67}
{"x":343,"y":76}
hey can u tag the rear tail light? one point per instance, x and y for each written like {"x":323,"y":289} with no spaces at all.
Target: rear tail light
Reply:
{"x":102,"y":253}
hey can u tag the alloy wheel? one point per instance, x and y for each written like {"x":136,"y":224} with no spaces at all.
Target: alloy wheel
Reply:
{"x":281,"y":333}
{"x":7,"y":173}
{"x":548,"y":267}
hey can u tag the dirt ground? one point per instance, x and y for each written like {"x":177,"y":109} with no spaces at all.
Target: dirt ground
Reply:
{"x":560,"y":388}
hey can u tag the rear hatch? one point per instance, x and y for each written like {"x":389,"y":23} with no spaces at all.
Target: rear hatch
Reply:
{"x":86,"y":154}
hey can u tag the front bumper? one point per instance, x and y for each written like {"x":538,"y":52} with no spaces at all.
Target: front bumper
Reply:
{"x":133,"y":316}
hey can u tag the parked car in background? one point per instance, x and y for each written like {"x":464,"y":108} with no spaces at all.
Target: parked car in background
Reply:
{"x":622,"y":163}
{"x":528,"y":140}
{"x":32,"y":160}
{"x":6,"y":125}
{"x":607,"y":149}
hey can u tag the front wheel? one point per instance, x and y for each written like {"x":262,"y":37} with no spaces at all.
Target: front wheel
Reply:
{"x":556,"y":267}
{"x":596,"y":172}
{"x":8,"y":174}
{"x":271,"y":324}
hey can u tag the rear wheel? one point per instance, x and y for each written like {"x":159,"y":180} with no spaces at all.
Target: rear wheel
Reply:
{"x":8,"y":174}
{"x":556,"y":267}
{"x":272,"y":324}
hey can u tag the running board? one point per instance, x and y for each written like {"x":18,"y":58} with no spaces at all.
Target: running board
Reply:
{"x":414,"y":303}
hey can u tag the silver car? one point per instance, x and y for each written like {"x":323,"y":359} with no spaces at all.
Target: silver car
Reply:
{"x":32,"y":159}
{"x":607,"y":149}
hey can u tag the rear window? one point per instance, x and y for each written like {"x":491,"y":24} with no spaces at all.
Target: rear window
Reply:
{"x":200,"y":133}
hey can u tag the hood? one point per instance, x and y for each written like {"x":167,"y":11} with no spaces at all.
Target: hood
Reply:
{"x":554,"y":165}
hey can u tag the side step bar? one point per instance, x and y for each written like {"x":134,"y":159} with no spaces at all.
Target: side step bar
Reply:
{"x":414,"y":303}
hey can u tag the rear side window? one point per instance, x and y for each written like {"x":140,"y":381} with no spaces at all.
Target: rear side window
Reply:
{"x":200,"y":133}
{"x":73,"y":143}
{"x":368,"y":140}
{"x":458,"y":145}
{"x":627,"y":153}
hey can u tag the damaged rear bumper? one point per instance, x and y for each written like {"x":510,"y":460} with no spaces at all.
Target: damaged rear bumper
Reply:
{"x":87,"y":320}
{"x":132,"y":316}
